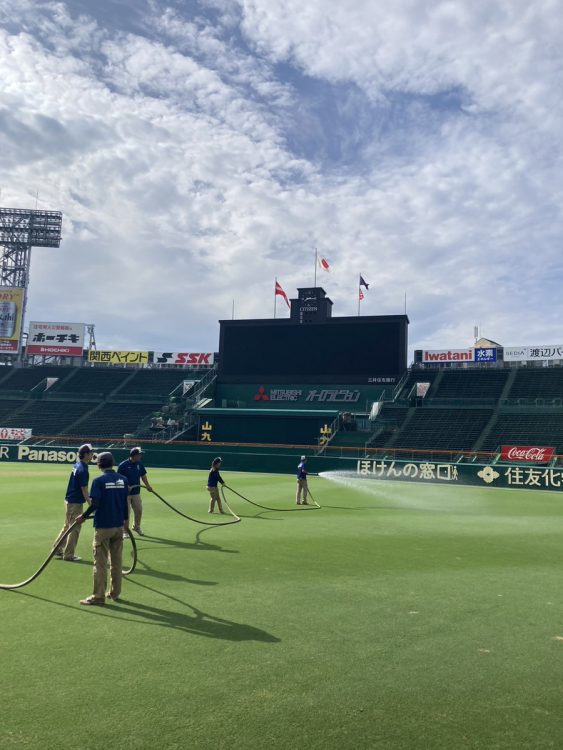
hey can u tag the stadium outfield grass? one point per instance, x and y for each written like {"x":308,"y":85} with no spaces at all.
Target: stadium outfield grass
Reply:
{"x":401,"y":617}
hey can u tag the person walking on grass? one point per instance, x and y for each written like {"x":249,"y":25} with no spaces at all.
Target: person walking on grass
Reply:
{"x":302,"y":488}
{"x":134,"y":471}
{"x":213,"y":480}
{"x":76,"y":496}
{"x":109,"y":502}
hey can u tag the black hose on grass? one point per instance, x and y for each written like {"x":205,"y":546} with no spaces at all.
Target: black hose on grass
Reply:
{"x":195,"y":520}
{"x":60,"y":539}
{"x":316,"y":506}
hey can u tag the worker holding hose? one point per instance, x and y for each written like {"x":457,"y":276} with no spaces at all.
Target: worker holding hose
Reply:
{"x":109,"y":502}
{"x":302,"y":488}
{"x":76,"y":496}
{"x":213,"y":480}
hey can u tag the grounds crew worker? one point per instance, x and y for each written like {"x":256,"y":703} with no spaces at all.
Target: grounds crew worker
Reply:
{"x":76,"y":496}
{"x":109,"y":501}
{"x":133,"y":470}
{"x":213,"y":480}
{"x":302,"y":488}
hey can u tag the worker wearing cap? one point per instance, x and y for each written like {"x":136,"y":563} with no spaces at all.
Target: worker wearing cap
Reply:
{"x":76,"y":496}
{"x":213,"y":480}
{"x":109,"y":502}
{"x":302,"y":489}
{"x":134,"y":471}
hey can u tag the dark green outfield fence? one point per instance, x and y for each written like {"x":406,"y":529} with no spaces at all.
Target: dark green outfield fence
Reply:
{"x":284,"y":460}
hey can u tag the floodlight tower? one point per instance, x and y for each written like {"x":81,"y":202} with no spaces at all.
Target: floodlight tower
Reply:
{"x":20,"y":230}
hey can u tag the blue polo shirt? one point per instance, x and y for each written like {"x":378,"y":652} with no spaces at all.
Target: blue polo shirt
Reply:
{"x":78,"y":479}
{"x":214,"y":477}
{"x":302,"y":470}
{"x":133,"y":473}
{"x":109,"y":500}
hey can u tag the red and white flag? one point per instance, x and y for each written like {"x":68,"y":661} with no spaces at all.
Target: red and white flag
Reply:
{"x":323,"y":263}
{"x":281,"y":293}
{"x":361,"y":295}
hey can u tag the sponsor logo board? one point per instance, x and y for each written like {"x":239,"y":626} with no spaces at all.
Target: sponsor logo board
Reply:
{"x":11,"y":314}
{"x":15,"y":433}
{"x":323,"y":395}
{"x":188,"y":359}
{"x":531,"y":353}
{"x":56,"y":339}
{"x":118,"y":357}
{"x":527,"y":453}
{"x":448,"y":355}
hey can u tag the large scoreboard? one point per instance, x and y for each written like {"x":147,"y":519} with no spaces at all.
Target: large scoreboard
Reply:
{"x":370,"y":349}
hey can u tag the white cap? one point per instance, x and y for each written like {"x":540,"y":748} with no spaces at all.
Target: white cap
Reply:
{"x":303,"y":458}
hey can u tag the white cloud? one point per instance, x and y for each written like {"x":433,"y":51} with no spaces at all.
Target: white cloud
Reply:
{"x":192,"y":164}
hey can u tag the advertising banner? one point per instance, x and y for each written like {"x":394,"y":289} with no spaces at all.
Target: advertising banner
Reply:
{"x":531,"y":353}
{"x":488,"y":354}
{"x":527,"y":453}
{"x":56,"y":339}
{"x":187,"y":359}
{"x":447,"y":355}
{"x":14,"y":433}
{"x":11,"y":314}
{"x":118,"y":358}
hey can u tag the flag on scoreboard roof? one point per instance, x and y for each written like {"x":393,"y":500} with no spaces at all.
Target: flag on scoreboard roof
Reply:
{"x":363,"y":282}
{"x":280,"y":291}
{"x":323,"y":263}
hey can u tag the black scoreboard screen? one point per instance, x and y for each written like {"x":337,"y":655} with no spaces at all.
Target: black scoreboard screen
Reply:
{"x":339,"y":350}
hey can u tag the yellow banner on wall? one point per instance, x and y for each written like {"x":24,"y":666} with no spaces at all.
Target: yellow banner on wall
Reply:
{"x":118,"y":358}
{"x":11,"y":314}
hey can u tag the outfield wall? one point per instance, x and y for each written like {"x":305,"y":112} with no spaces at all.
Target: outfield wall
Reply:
{"x":283,"y":460}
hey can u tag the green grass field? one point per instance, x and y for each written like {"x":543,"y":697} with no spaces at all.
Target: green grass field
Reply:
{"x":396,"y":617}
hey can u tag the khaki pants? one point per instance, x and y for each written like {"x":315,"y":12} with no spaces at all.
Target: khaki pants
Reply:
{"x":73,"y":510}
{"x":135,"y":502}
{"x":107,"y":543}
{"x":301,"y":488}
{"x":215,"y":497}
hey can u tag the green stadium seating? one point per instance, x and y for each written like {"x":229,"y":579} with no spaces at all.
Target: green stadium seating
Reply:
{"x":94,"y":380}
{"x":526,"y":429}
{"x":48,"y":417}
{"x":443,"y":429}
{"x":26,"y":378}
{"x":471,"y":384}
{"x":113,"y":419}
{"x":158,"y":382}
{"x":538,"y":383}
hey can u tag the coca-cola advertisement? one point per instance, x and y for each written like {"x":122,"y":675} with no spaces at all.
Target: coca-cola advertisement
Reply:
{"x":531,"y":454}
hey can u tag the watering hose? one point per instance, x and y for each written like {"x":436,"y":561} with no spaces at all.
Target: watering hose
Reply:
{"x":195,"y":520}
{"x":60,"y":539}
{"x":316,"y":506}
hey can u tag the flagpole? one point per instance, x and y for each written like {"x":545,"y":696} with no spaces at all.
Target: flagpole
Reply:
{"x":315,"y":283}
{"x":233,"y":317}
{"x":275,"y":295}
{"x":359,"y":291}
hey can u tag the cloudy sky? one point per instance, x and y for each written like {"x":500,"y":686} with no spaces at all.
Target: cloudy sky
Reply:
{"x":200,"y":148}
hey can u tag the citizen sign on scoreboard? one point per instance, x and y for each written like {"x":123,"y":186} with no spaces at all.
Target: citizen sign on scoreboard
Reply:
{"x":56,"y":339}
{"x":183,"y":358}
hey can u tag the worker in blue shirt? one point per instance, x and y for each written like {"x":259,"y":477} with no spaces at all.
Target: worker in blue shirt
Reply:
{"x":109,"y":503}
{"x":302,"y":488}
{"x":134,"y":471}
{"x":76,"y":496}
{"x":213,"y":480}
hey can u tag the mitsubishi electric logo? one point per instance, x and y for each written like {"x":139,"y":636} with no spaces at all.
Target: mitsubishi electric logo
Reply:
{"x":324,"y":395}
